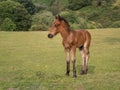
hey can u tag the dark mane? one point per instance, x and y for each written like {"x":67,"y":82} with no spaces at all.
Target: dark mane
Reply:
{"x":61,"y":18}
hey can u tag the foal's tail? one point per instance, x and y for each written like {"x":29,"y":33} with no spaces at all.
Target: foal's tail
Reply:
{"x":88,"y":40}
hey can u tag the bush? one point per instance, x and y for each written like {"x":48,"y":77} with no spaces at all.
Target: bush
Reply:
{"x":69,"y":16}
{"x":17,"y":13}
{"x":116,"y":24}
{"x":82,"y":22}
{"x":42,"y":21}
{"x":8,"y":25}
{"x":93,"y":25}
{"x":28,"y":4}
{"x":78,"y":4}
{"x":41,"y":27}
{"x":79,"y":20}
{"x":56,"y":7}
{"x":99,"y":3}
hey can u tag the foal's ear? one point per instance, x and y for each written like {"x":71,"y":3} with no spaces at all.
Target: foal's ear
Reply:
{"x":58,"y":17}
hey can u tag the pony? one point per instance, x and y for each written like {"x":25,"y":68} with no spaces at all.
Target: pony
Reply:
{"x":72,"y":39}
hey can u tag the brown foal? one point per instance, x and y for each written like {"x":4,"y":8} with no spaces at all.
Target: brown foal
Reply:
{"x":72,"y":40}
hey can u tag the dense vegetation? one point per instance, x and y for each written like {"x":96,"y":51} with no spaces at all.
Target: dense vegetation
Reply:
{"x":16,"y":13}
{"x":39,"y":14}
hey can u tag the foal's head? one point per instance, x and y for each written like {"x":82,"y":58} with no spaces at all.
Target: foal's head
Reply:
{"x":56,"y":26}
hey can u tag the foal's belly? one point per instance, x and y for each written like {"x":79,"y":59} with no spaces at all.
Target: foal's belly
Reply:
{"x":79,"y":42}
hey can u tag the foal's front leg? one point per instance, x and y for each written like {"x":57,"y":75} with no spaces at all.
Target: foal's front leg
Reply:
{"x":73,"y":52}
{"x":67,"y":51}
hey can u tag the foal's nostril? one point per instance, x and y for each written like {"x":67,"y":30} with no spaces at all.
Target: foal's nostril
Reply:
{"x":50,"y":35}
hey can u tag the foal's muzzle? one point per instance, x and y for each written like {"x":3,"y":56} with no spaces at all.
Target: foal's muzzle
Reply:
{"x":50,"y":36}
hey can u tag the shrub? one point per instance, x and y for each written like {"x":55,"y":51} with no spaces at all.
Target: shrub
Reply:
{"x":56,"y":7}
{"x":69,"y":16}
{"x":41,"y":27}
{"x":77,"y":4}
{"x":79,"y":20}
{"x":29,"y":6}
{"x":82,"y":22}
{"x":116,"y":24}
{"x":17,"y":13}
{"x":8,"y":25}
{"x":93,"y":25}
{"x":99,"y":3}
{"x":42,"y":20}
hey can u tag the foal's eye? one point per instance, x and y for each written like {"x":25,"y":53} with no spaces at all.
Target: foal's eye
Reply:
{"x":56,"y":25}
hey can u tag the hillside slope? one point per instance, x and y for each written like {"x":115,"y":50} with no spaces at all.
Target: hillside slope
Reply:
{"x":89,"y":14}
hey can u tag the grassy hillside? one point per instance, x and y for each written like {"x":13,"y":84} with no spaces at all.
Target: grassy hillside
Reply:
{"x":31,"y":61}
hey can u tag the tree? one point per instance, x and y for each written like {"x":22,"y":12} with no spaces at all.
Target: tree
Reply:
{"x":41,"y":21}
{"x":17,"y":13}
{"x":8,"y":25}
{"x":28,"y":4}
{"x":56,"y":7}
{"x":2,"y":0}
{"x":77,"y":4}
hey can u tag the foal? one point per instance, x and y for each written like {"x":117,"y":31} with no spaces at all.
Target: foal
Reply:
{"x":72,"y":40}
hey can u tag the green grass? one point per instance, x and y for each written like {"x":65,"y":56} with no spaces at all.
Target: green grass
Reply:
{"x":31,"y":61}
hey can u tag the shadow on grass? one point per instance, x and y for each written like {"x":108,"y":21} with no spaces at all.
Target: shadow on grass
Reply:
{"x":90,"y":69}
{"x":44,"y":75}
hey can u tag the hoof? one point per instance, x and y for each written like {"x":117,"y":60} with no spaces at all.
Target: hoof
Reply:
{"x":67,"y":74}
{"x":83,"y":72}
{"x":87,"y":69}
{"x":74,"y":76}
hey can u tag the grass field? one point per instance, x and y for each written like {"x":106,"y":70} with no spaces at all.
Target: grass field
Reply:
{"x":31,"y":61}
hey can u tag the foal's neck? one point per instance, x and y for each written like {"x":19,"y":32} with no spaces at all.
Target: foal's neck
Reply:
{"x":65,"y":32}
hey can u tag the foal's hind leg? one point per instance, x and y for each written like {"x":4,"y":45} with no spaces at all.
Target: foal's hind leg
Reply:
{"x":85,"y":57}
